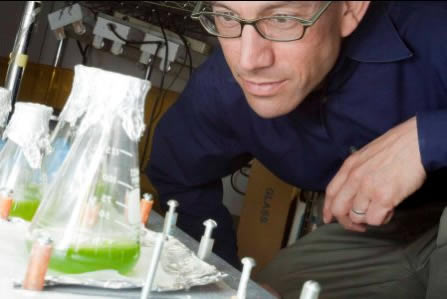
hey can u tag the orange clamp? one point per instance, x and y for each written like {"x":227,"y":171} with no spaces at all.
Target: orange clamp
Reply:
{"x":5,"y":207}
{"x":38,"y":264}
{"x":146,"y":207}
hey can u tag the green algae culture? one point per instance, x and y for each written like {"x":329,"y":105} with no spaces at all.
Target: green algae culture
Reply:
{"x":85,"y":258}
{"x":26,"y":208}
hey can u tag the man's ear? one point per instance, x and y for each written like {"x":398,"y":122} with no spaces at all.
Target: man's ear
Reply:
{"x":352,"y":13}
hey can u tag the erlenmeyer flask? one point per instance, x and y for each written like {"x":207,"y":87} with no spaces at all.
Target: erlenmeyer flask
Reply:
{"x":91,"y":210}
{"x":69,"y":119}
{"x":5,"y":108}
{"x":20,"y":159}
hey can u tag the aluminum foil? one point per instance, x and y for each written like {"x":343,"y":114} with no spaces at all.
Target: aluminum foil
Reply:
{"x":117,"y":94}
{"x":29,"y":129}
{"x":179,"y":268}
{"x":79,"y":99}
{"x":99,"y":88}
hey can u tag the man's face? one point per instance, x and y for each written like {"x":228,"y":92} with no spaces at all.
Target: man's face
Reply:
{"x":277,"y":76}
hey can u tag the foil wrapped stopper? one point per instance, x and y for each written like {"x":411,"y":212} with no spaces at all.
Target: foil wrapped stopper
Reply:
{"x":29,"y":128}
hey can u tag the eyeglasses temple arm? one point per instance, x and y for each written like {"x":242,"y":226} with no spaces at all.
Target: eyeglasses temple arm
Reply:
{"x":196,"y":12}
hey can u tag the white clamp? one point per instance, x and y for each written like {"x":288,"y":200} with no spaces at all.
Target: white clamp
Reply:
{"x":206,"y":243}
{"x":103,"y":30}
{"x":69,"y":15}
{"x":148,"y":286}
{"x":248,"y":264}
{"x":171,"y":217}
{"x":149,"y":50}
{"x":311,"y":290}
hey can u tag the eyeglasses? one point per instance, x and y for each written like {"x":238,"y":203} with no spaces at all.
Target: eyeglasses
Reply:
{"x":275,"y":28}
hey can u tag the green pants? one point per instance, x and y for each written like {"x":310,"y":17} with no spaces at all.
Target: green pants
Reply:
{"x":403,"y":259}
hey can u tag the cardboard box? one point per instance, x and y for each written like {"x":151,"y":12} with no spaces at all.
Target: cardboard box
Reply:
{"x":266,"y":216}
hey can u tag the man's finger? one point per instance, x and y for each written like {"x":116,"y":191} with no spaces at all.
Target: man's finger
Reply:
{"x":349,"y":225}
{"x":388,"y":217}
{"x":332,"y":191}
{"x":378,"y":213}
{"x":359,"y":207}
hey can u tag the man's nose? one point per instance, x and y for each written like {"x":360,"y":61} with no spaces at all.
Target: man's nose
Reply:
{"x":256,"y":51}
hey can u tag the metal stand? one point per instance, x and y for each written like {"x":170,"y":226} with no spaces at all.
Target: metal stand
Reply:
{"x":60,"y":49}
{"x":56,"y":62}
{"x":18,"y":57}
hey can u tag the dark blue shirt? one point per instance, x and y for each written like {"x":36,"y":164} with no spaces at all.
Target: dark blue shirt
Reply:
{"x":393,"y":67}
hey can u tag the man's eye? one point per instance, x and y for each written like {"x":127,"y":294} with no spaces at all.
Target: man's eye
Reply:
{"x":280,"y":20}
{"x":225,"y":16}
{"x":225,"y":12}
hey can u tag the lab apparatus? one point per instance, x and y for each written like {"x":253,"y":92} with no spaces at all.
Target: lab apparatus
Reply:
{"x":38,"y":264}
{"x":91,"y":210}
{"x":70,"y":118}
{"x":27,"y":141}
{"x":5,"y":109}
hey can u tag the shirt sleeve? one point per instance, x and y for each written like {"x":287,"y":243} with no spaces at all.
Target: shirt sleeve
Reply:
{"x":432,"y":126}
{"x":432,"y":123}
{"x":194,"y":146}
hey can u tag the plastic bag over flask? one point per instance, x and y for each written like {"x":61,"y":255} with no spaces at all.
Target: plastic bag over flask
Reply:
{"x":27,"y":141}
{"x":70,"y":118}
{"x":91,"y":209}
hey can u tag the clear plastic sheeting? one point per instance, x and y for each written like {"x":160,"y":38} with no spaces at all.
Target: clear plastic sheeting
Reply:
{"x":5,"y":106}
{"x":77,"y":104}
{"x":20,"y":159}
{"x":91,"y":210}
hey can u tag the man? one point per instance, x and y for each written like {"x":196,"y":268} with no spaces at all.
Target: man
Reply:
{"x":345,"y":97}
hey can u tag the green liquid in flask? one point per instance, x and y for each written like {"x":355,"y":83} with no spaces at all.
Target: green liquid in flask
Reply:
{"x":121,"y":257}
{"x":27,"y":207}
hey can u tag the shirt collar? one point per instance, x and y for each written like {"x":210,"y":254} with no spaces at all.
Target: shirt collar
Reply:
{"x":376,"y":39}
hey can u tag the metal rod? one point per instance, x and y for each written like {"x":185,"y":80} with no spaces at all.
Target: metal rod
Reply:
{"x":56,"y":62}
{"x":148,"y":71}
{"x":18,"y":58}
{"x":311,"y":290}
{"x":59,"y":53}
{"x":147,"y":288}
{"x":248,"y":264}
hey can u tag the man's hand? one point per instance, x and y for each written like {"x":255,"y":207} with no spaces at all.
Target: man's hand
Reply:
{"x":375,"y":179}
